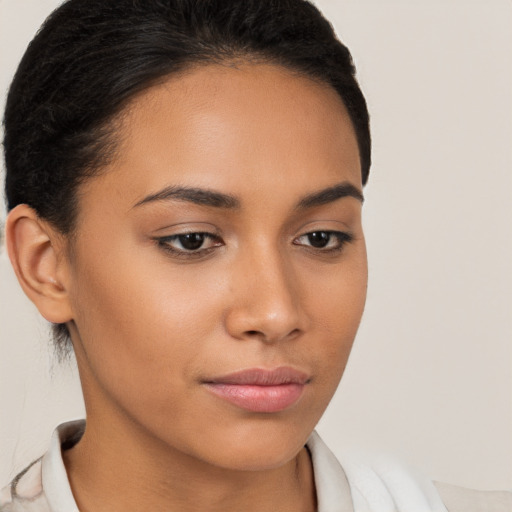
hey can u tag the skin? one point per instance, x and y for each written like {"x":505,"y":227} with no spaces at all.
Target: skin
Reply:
{"x":150,"y":326}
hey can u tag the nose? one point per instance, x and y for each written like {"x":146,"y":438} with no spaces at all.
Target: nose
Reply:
{"x":265,"y":302}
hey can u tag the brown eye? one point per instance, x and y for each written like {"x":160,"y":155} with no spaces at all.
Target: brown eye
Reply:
{"x":191,"y":241}
{"x":319,"y":239}
{"x":189,"y":244}
{"x":324,"y":241}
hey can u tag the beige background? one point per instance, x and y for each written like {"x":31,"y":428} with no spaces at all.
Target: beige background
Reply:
{"x":430,"y":378}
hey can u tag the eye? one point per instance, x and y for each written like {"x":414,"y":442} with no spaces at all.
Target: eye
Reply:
{"x":189,"y":244}
{"x":324,"y":241}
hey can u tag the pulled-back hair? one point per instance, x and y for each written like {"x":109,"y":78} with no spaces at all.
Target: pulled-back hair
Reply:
{"x":91,"y":57}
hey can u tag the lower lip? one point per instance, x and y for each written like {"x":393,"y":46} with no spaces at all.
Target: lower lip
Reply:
{"x":259,"y":398}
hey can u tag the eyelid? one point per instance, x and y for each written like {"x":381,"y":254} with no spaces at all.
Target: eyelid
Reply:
{"x":183,"y":228}
{"x":175,"y":236}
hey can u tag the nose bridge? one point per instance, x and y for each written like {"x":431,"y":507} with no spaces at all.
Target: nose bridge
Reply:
{"x":266,"y":302}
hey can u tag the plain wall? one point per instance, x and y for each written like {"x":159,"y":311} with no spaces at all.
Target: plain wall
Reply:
{"x":430,"y":377}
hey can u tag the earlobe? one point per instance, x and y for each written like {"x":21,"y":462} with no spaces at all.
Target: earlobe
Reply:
{"x":37,"y":258}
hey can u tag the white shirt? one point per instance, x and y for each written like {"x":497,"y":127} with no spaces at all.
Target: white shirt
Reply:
{"x":357,"y":487}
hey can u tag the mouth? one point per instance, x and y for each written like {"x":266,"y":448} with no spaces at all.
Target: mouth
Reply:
{"x":260,"y":390}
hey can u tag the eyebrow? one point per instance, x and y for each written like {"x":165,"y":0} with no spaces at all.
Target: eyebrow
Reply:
{"x":200,"y":196}
{"x":329,"y":195}
{"x":211,"y":198}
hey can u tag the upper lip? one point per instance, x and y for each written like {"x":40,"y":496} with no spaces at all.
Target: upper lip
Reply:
{"x":263,"y":377}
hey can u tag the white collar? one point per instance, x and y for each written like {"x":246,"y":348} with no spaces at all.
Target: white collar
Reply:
{"x":332,"y":487}
{"x":55,"y":479}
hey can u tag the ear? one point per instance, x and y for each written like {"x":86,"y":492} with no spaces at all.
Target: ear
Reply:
{"x":37,"y":254}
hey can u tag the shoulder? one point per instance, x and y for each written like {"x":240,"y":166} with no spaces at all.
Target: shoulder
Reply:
{"x":460,"y":499}
{"x":25,"y":493}
{"x":43,"y":486}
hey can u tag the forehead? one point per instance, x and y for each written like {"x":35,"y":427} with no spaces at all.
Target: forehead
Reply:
{"x":236,"y":129}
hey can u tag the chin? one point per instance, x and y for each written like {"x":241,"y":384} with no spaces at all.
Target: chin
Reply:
{"x":256,"y":459}
{"x":259,"y":447}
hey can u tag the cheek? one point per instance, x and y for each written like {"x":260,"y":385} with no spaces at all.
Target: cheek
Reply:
{"x":143,"y":322}
{"x":336,"y":307}
{"x":337,"y":301}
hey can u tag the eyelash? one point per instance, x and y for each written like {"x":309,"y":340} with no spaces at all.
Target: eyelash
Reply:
{"x":165,"y":242}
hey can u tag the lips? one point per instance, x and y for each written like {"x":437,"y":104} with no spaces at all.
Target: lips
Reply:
{"x":260,"y":390}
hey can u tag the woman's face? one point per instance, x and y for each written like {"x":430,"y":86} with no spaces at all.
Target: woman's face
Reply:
{"x":225,"y":238}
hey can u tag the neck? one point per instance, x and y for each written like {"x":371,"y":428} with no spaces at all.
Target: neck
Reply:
{"x":155,"y":476}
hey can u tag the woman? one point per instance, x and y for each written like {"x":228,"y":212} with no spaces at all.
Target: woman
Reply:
{"x":184,"y":182}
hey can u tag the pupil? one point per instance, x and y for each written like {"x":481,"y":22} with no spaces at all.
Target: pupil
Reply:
{"x":192,"y":241}
{"x":319,"y":239}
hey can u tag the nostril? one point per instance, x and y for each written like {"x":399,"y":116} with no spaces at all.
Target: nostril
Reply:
{"x":269,"y":337}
